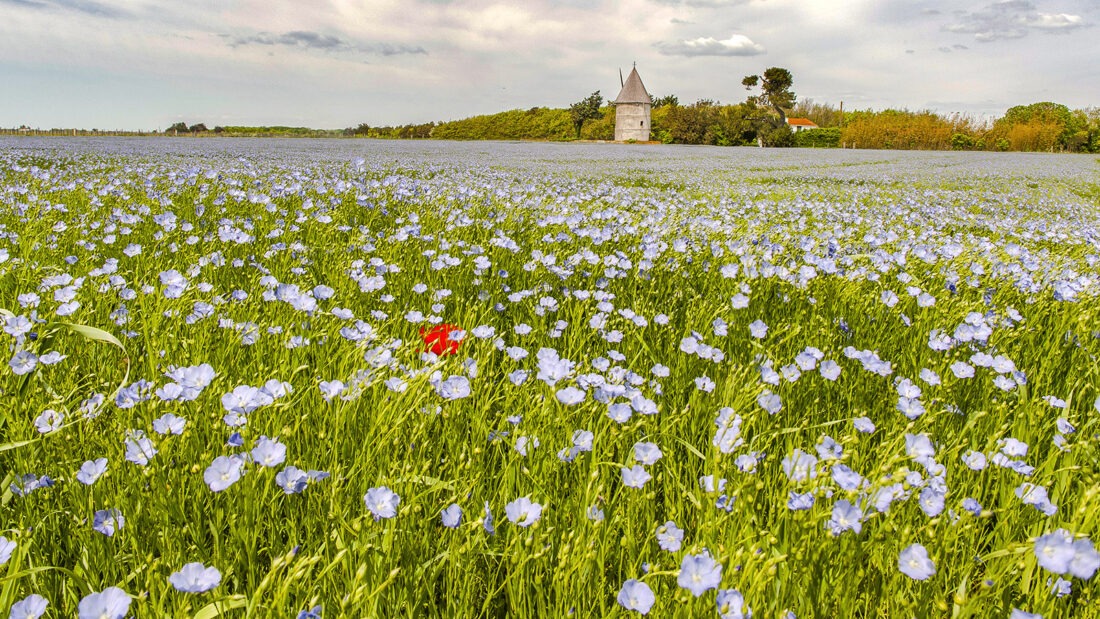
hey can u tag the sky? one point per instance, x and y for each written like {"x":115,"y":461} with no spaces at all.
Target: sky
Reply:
{"x":146,"y":64}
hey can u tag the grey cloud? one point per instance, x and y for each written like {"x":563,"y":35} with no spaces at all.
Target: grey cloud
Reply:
{"x":736,"y":45}
{"x":324,"y":42}
{"x":88,"y":7}
{"x":1012,"y":19}
{"x":954,"y":48}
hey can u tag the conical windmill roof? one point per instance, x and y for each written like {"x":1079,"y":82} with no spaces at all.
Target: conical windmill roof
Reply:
{"x":633,"y":90}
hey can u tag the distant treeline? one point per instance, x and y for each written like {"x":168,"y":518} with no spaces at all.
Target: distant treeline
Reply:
{"x":1045,"y":126}
{"x":1037,"y":127}
{"x":70,"y":132}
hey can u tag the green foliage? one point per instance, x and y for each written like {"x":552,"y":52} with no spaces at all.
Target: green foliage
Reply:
{"x":779,"y":137}
{"x":584,"y":110}
{"x":538,"y":123}
{"x":1044,"y":126}
{"x":665,"y":100}
{"x":602,"y":128}
{"x":828,"y":137}
{"x":902,"y":129}
{"x":768,"y":109}
{"x":962,"y":141}
{"x":703,"y":122}
{"x":234,"y":131}
{"x":363,"y":129}
{"x":1044,"y":112}
{"x":775,"y":91}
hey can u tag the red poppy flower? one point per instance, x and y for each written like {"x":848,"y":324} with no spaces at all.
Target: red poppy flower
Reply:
{"x":438,"y":339}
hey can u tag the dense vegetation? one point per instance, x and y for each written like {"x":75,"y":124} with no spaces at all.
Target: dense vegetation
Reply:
{"x":1043,"y":127}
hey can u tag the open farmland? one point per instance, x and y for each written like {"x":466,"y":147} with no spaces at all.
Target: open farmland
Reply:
{"x":687,"y":382}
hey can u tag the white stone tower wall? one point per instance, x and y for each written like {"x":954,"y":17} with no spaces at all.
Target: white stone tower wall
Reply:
{"x":632,"y":122}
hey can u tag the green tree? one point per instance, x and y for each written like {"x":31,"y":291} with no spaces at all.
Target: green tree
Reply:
{"x":1042,"y":126}
{"x":691,"y":124}
{"x":1092,"y":115}
{"x":199,"y":128}
{"x":180,"y":127}
{"x":775,"y":91}
{"x":772,"y":103}
{"x":659,"y":102}
{"x":586,"y":109}
{"x":361,"y":129}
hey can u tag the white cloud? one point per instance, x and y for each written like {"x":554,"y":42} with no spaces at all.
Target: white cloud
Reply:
{"x":736,"y":45}
{"x":1012,"y":19}
{"x":1056,"y":21}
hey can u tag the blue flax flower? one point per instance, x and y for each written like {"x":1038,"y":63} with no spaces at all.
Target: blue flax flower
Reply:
{"x":915,"y":563}
{"x":669,"y":536}
{"x":223,"y":472}
{"x":636,"y":476}
{"x":523,"y":512}
{"x":195,"y":578}
{"x":31,"y":607}
{"x":699,"y":573}
{"x":111,"y":603}
{"x":7,"y":547}
{"x":731,"y":605}
{"x":107,"y":521}
{"x":846,"y":517}
{"x":169,"y":424}
{"x":800,"y":501}
{"x":451,"y":516}
{"x":382,"y":502}
{"x":636,"y":595}
{"x":268,"y":452}
{"x":487,"y":522}
{"x":91,"y":470}
{"x":292,"y":479}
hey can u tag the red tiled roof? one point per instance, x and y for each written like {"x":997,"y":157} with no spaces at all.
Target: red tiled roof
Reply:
{"x":800,"y":122}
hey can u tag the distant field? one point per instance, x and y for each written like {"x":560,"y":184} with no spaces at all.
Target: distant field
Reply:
{"x":433,"y":379}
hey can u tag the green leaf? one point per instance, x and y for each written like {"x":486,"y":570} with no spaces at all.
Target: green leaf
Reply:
{"x":94,"y":333}
{"x":27,"y":572}
{"x":218,"y":608}
{"x":17,"y":444}
{"x":691,"y":448}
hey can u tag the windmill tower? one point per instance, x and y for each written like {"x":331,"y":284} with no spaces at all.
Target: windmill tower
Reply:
{"x":632,"y":110}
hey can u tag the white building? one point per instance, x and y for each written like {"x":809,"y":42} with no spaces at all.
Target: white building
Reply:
{"x":800,"y":124}
{"x":632,"y":108}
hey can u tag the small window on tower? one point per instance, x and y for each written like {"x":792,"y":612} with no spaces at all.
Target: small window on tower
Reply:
{"x":641,"y":123}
